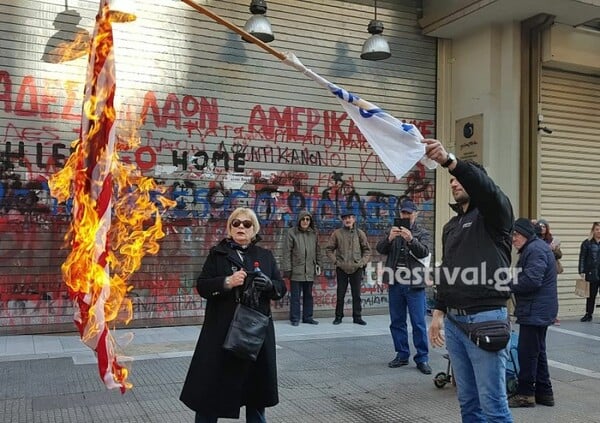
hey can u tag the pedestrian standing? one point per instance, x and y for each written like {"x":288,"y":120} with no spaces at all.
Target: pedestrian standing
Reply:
{"x":218,"y":382}
{"x":349,"y":250}
{"x":589,"y":268}
{"x":406,"y":248}
{"x":536,"y":306}
{"x":301,"y":262}
{"x":542,"y":230}
{"x":472,"y":285}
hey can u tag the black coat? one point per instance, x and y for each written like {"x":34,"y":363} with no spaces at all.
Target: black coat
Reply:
{"x":218,"y":382}
{"x":589,"y":260}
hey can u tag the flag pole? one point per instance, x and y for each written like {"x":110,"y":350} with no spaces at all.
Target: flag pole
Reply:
{"x":243,"y":33}
{"x":399,"y":131}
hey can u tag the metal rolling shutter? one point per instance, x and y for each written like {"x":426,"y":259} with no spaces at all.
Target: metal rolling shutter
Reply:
{"x":569,"y":171}
{"x":192,"y":73}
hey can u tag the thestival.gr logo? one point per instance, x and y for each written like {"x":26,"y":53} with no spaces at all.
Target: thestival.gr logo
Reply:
{"x":500,"y":278}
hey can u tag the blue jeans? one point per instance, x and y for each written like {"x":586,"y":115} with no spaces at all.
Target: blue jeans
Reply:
{"x":480,"y":375}
{"x":304,"y":287}
{"x":253,"y":415}
{"x":401,"y":298}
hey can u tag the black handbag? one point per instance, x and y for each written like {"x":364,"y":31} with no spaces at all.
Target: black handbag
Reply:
{"x":491,"y":336}
{"x":247,"y":332}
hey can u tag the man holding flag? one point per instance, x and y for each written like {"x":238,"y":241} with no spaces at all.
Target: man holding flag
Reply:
{"x":478,"y":237}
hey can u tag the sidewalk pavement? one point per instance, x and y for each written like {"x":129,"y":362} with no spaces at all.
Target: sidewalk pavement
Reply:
{"x":327,"y":373}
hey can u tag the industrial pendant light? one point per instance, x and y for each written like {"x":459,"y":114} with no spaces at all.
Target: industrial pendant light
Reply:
{"x":258,"y":24}
{"x":376,"y":47}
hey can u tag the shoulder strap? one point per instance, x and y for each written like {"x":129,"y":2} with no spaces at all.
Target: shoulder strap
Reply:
{"x":462,"y":326}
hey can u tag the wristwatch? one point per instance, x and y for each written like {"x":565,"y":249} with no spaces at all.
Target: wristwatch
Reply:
{"x":449,"y":160}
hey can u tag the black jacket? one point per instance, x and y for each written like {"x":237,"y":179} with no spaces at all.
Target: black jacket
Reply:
{"x":476,"y":244}
{"x":589,"y":260}
{"x":414,"y":252}
{"x":217,"y":382}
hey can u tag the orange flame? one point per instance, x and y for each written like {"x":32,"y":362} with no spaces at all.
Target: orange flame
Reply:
{"x":135,"y":226}
{"x":135,"y":230}
{"x":70,"y":50}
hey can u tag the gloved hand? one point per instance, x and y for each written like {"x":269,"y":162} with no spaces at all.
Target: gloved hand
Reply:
{"x":263,"y":283}
{"x":287,"y":274}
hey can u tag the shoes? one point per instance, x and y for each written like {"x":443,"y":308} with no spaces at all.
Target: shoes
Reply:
{"x":586,"y":318}
{"x":397,"y":362}
{"x":556,"y":322}
{"x":310,"y":322}
{"x":521,"y":401}
{"x":337,"y":321}
{"x":295,"y":323}
{"x":547,"y":400}
{"x":424,"y":368}
{"x":360,"y":321}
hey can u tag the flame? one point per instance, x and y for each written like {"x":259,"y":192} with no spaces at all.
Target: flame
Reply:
{"x":70,"y":50}
{"x":117,"y":16}
{"x":136,"y":228}
{"x":104,"y":255}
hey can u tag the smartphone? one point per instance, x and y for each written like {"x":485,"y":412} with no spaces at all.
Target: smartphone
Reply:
{"x":402,"y":222}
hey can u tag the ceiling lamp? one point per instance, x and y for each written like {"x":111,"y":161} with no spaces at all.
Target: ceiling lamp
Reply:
{"x":376,"y":47}
{"x":258,"y":24}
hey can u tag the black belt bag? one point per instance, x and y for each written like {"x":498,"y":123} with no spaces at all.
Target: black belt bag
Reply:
{"x":490,"y":336}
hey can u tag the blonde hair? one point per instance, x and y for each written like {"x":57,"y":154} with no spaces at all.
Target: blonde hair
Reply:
{"x":243,"y":211}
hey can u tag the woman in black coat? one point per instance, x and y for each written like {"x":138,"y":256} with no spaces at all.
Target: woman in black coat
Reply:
{"x":589,"y":268}
{"x":218,"y":383}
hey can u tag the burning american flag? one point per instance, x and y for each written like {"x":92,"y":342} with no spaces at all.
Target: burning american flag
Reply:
{"x":114,"y":222}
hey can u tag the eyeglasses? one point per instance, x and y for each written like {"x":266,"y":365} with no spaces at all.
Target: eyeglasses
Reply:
{"x":237,"y":222}
{"x":306,"y":218}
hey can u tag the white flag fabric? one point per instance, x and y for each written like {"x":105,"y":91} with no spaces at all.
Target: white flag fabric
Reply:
{"x":397,"y":144}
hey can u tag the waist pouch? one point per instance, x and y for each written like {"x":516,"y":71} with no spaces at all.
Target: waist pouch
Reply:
{"x":490,"y":336}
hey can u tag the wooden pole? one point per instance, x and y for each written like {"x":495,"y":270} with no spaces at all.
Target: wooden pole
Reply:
{"x":243,"y":33}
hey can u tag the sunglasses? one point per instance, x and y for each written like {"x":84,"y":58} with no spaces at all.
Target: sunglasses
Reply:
{"x":306,"y":218}
{"x":237,"y":222}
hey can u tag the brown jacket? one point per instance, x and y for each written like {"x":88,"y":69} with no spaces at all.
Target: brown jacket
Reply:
{"x":348,"y":249}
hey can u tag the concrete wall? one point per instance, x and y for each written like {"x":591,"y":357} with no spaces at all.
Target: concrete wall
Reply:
{"x":479,"y":74}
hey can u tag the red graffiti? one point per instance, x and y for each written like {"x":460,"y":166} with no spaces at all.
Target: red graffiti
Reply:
{"x":33,"y":98}
{"x":205,"y":110}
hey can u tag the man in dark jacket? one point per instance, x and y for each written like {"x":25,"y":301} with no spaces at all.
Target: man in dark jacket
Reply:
{"x":536,"y":308}
{"x":406,"y":249}
{"x":472,"y":285}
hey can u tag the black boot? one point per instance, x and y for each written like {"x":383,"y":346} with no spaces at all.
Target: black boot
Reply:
{"x":586,"y":318}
